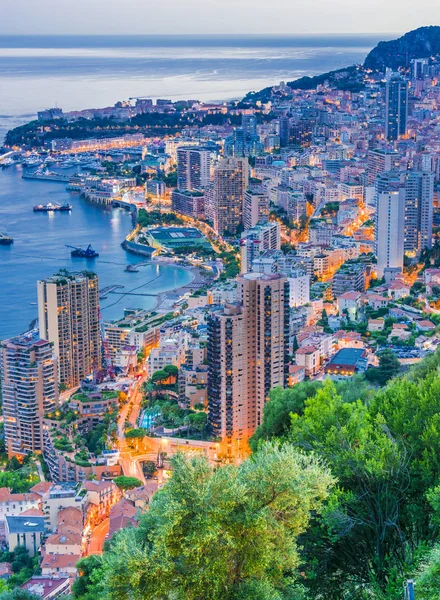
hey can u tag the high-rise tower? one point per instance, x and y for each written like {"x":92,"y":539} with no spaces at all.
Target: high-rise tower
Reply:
{"x":230,"y":182}
{"x":68,"y":316}
{"x":396,"y":109}
{"x":247,"y":354}
{"x":29,"y":376}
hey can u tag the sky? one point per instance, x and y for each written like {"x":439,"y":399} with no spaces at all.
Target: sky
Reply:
{"x":215,"y":16}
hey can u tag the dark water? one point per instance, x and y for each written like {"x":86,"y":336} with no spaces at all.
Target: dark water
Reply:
{"x":84,"y":71}
{"x":39,"y":250}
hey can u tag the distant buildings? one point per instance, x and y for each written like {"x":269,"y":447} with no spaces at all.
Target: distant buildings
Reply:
{"x":299,"y":283}
{"x":419,"y":205}
{"x":255,"y":207}
{"x":68,"y":317}
{"x":247,"y":354}
{"x":190,"y":203}
{"x":264,"y":236}
{"x":380,"y":161}
{"x":349,"y":277}
{"x":29,"y":375}
{"x":49,"y":114}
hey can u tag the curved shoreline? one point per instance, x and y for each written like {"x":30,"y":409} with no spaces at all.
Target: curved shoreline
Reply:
{"x":196,"y":281}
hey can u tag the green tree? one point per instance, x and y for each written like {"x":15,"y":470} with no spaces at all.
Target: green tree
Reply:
{"x":127,"y":483}
{"x":18,"y":594}
{"x":149,"y":468}
{"x":136,"y":433}
{"x":277,"y":412}
{"x":86,"y":586}
{"x":198,"y":421}
{"x":427,"y":580}
{"x":223,"y":534}
{"x":295,"y":345}
{"x":388,"y":368}
{"x":13,"y":464}
{"x":360,"y":533}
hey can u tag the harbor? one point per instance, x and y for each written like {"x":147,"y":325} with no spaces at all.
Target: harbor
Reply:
{"x":39,"y":250}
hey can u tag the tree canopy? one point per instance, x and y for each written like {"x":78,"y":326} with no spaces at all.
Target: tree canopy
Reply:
{"x":228,"y":533}
{"x":382,"y":445}
{"x":127,"y":483}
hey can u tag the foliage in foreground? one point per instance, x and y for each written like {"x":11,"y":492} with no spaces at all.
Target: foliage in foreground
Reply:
{"x":383,"y":448}
{"x":224,"y":534}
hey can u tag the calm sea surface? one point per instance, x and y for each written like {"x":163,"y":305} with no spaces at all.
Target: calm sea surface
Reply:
{"x":80,"y":72}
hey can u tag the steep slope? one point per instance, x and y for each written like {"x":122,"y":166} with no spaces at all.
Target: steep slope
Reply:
{"x":419,"y":43}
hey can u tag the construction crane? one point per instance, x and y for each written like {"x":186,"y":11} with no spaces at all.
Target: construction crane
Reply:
{"x":81,"y":253}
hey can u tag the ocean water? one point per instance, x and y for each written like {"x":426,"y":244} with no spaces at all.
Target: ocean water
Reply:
{"x":81,"y":72}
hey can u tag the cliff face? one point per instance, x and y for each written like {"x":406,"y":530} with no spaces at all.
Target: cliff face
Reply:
{"x":420,"y":43}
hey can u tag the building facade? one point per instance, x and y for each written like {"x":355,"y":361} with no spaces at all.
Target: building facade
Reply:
{"x":419,"y":207}
{"x":193,"y":168}
{"x":29,"y":374}
{"x":255,"y":208}
{"x":258,"y":239}
{"x":247,"y":354}
{"x":68,"y":317}
{"x":230,"y":183}
{"x":396,"y":108}
{"x":389,"y":230}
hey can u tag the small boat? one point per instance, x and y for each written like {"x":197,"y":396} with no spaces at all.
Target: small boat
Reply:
{"x":5,"y":240}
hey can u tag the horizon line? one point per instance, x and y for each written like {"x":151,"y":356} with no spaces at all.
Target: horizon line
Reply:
{"x":316,"y":33}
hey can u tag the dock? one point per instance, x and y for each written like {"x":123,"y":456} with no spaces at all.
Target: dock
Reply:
{"x":108,"y":290}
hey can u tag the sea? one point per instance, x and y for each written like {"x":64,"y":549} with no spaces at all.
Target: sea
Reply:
{"x":77,"y":72}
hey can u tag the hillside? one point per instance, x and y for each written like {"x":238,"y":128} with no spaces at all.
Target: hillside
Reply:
{"x":420,"y":43}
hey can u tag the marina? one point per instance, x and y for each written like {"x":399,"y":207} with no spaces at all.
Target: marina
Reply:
{"x":39,"y":250}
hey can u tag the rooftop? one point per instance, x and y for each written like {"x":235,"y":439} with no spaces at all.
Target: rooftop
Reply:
{"x":174,"y":233}
{"x":22,"y":524}
{"x":46,"y":586}
{"x":347,"y":357}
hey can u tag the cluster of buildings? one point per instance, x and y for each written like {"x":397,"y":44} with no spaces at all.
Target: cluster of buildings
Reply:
{"x":54,"y":521}
{"x":325,"y":202}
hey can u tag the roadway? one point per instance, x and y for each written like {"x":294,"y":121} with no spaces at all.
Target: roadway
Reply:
{"x":97,"y":539}
{"x":130,"y":412}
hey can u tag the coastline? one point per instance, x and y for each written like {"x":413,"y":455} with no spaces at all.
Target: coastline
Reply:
{"x":176,"y":295}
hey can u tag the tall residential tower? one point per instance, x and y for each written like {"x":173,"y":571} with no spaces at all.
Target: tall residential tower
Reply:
{"x":396,"y":108}
{"x":230,"y":182}
{"x":68,"y":316}
{"x":29,"y":376}
{"x":247,"y":354}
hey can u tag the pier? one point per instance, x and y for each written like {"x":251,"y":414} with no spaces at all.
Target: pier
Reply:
{"x":108,"y":290}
